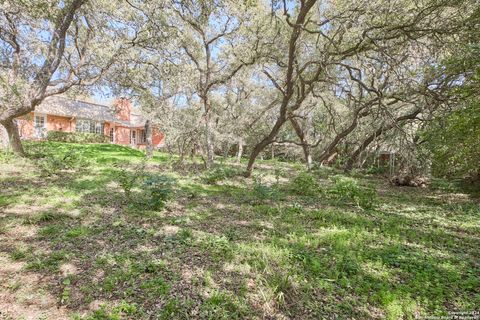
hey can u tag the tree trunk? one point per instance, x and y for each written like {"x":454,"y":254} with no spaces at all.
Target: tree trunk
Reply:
{"x":13,"y":137}
{"x":331,"y":148}
{"x":226,"y":150}
{"x":240,"y":150}
{"x":209,"y":141}
{"x":262,"y":144}
{"x":353,"y":158}
{"x":305,"y":145}
{"x":289,"y":87}
{"x":4,"y":143}
{"x":148,"y":133}
{"x":308,"y":157}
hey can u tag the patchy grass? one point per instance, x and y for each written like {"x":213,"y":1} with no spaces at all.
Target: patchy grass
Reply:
{"x":282,"y":245}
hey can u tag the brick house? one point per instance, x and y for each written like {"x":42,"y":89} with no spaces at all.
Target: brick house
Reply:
{"x":59,"y":113}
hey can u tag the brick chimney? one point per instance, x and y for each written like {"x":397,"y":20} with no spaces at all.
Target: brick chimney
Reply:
{"x":123,"y":109}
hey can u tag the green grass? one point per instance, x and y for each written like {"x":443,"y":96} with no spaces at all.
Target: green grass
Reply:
{"x":282,"y":245}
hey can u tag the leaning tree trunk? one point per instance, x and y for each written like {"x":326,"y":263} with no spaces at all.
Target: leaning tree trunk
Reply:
{"x":354,"y":156}
{"x":289,"y":87}
{"x":13,"y":136}
{"x":330,"y":149}
{"x":262,"y":144}
{"x":148,"y":133}
{"x":305,"y":145}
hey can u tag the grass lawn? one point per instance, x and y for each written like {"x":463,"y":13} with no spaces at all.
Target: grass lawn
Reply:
{"x":73,"y":246}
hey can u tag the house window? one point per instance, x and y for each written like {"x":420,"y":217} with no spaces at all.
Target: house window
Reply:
{"x":99,"y":128}
{"x":84,"y":125}
{"x":40,"y":125}
{"x":39,"y":121}
{"x":89,"y":126}
{"x":133,"y":137}
{"x":142,"y":136}
{"x":112,"y":135}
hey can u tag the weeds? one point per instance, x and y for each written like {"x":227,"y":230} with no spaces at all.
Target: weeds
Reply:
{"x":263,"y":192}
{"x":129,"y":179}
{"x":349,"y":190}
{"x":218,"y":174}
{"x":159,"y":189}
{"x":291,"y":252}
{"x":305,"y":184}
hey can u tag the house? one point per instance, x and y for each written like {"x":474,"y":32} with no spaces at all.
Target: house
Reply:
{"x":58,"y":113}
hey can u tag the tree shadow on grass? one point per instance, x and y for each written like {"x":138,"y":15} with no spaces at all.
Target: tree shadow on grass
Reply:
{"x":240,"y":259}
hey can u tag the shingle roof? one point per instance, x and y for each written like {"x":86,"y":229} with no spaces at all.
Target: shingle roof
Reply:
{"x":66,"y":107}
{"x":137,"y":120}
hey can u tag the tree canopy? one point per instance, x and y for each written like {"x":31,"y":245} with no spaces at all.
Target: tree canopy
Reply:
{"x":329,"y":81}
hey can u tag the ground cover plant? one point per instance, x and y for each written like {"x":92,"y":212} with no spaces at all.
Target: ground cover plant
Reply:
{"x":76,"y":244}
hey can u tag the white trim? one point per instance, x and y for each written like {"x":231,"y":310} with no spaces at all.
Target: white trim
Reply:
{"x":39,"y":131}
{"x":40,"y":115}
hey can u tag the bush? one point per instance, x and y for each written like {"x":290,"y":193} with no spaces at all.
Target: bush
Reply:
{"x":218,"y":174}
{"x":264,"y":192}
{"x":76,"y":137}
{"x":51,"y":164}
{"x":159,"y":189}
{"x":348,"y":189}
{"x":156,"y":189}
{"x":304,"y":184}
{"x":129,"y":179}
{"x":452,"y":142}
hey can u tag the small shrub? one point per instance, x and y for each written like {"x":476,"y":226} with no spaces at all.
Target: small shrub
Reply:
{"x":46,"y":216}
{"x":219,"y":174}
{"x":51,"y":164}
{"x":74,"y":160}
{"x":159,"y":188}
{"x":129,"y":179}
{"x":76,"y":137}
{"x":304,"y":184}
{"x":264,"y":192}
{"x":156,"y":189}
{"x":348,"y":189}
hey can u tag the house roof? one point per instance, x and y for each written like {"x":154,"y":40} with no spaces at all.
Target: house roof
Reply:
{"x":66,"y":107}
{"x":137,"y":120}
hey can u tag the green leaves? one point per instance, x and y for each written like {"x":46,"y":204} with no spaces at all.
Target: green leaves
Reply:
{"x":454,"y":142}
